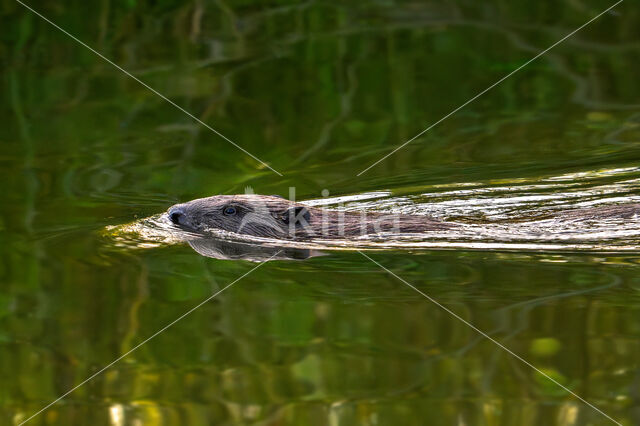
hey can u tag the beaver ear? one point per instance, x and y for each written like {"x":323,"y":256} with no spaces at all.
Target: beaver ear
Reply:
{"x":296,"y":215}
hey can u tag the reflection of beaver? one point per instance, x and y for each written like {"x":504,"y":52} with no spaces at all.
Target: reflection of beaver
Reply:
{"x":230,"y":250}
{"x":276,"y":217}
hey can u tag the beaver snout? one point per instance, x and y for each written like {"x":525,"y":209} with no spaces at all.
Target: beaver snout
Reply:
{"x":177,"y":215}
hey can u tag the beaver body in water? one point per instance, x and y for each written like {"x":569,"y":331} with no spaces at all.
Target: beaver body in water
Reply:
{"x":277,"y":217}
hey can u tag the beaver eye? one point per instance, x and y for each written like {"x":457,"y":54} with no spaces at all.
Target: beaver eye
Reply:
{"x":229,"y":211}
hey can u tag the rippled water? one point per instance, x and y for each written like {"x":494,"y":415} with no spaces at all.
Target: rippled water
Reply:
{"x":90,"y":270}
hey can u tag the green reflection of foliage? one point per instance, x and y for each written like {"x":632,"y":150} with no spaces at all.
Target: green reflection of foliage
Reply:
{"x":317,"y":89}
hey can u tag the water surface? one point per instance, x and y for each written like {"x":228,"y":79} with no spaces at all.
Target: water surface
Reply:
{"x":319,"y":90}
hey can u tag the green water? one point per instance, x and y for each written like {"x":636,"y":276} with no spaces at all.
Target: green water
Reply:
{"x":320,"y":91}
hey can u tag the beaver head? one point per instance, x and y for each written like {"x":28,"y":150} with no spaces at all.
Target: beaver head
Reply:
{"x":257,"y":215}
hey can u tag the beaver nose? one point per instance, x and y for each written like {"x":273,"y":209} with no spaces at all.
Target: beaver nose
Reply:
{"x":177,"y":215}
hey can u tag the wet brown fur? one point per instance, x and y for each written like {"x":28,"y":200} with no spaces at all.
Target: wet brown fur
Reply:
{"x":276,"y":217}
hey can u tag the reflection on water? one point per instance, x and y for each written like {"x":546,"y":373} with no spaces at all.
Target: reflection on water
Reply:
{"x":319,"y":90}
{"x":219,"y":249}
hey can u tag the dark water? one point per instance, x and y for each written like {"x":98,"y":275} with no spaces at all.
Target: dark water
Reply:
{"x":320,"y":91}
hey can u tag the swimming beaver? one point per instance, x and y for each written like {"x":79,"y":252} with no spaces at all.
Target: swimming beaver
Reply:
{"x":276,"y":217}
